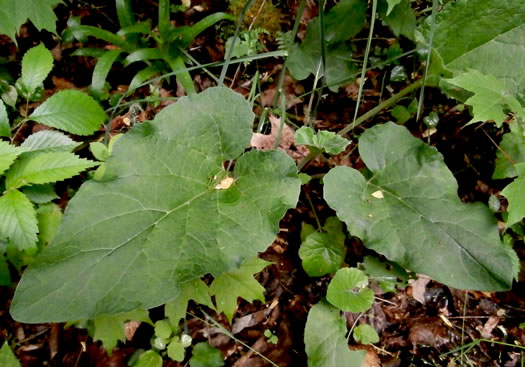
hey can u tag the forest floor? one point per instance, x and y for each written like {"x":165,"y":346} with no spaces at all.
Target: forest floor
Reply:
{"x":424,"y":323}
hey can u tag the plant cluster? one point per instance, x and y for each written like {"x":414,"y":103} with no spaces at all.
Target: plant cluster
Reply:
{"x":212,"y":204}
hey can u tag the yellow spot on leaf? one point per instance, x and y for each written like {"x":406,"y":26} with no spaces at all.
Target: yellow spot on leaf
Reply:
{"x":225,"y":183}
{"x":378,"y":194}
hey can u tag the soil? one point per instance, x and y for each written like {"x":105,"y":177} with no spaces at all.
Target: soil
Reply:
{"x":422,"y":324}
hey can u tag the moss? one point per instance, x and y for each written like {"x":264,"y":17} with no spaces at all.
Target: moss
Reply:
{"x":269,"y":17}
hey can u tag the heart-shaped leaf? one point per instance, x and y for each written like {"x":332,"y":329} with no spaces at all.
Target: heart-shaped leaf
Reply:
{"x":348,"y":291}
{"x":409,"y":211}
{"x":159,"y":216}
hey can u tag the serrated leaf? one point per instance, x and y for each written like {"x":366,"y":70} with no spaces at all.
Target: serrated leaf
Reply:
{"x":155,"y":220}
{"x":8,"y":154}
{"x":399,"y":16}
{"x":324,"y":252}
{"x":109,"y":329}
{"x":204,"y":355}
{"x":36,"y":66}
{"x":40,"y":194}
{"x":328,"y":141}
{"x":492,"y":29}
{"x":342,"y":22}
{"x":195,"y":290}
{"x":72,"y":111}
{"x":420,"y":223}
{"x":490,"y":98}
{"x":231,"y":285}
{"x":48,"y":141}
{"x":149,"y":358}
{"x":325,"y":339}
{"x":18,"y":220}
{"x":365,"y":334}
{"x":5,"y":127}
{"x":49,"y":217}
{"x":7,"y":357}
{"x":512,"y":151}
{"x":348,"y":291}
{"x":45,"y":168}
{"x":515,"y":194}
{"x":14,"y":13}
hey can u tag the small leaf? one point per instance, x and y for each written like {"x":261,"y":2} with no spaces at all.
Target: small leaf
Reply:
{"x":365,"y":334}
{"x":401,"y":114}
{"x":36,"y":66}
{"x":512,"y":151}
{"x":490,"y":97}
{"x":325,"y":339}
{"x":149,"y":358}
{"x":72,"y":111}
{"x":515,"y":194}
{"x":8,"y":154}
{"x":100,"y":151}
{"x":109,"y":329}
{"x":48,"y":141}
{"x":324,"y":253}
{"x":231,"y":285}
{"x":5,"y":127}
{"x":7,"y":357}
{"x":45,"y":168}
{"x":40,"y":194}
{"x":348,"y":291}
{"x":163,"y":329}
{"x":204,"y":355}
{"x":329,"y":141}
{"x":176,"y":350}
{"x":18,"y":220}
{"x":195,"y":290}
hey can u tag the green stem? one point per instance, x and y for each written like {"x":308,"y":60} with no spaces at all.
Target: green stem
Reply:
{"x":389,"y":102}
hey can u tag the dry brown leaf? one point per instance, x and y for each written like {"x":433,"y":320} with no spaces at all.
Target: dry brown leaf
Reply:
{"x":419,"y":287}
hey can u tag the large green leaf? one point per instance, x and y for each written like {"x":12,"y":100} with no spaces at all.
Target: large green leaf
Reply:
{"x":45,"y":168}
{"x":36,"y":65}
{"x":476,"y":33}
{"x":18,"y":220}
{"x":325,"y":339}
{"x":14,"y":13}
{"x":72,"y":111}
{"x":409,"y":211}
{"x":162,"y":214}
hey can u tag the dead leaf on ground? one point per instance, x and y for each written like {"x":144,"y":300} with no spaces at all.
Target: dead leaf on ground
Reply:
{"x":267,"y":142}
{"x":419,"y":287}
